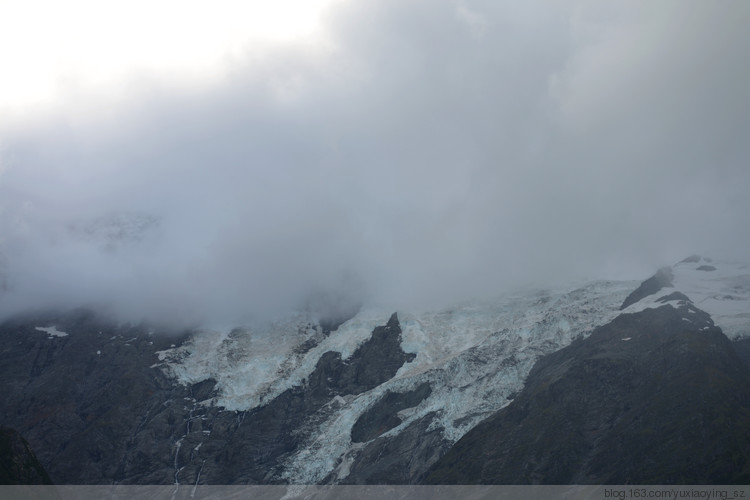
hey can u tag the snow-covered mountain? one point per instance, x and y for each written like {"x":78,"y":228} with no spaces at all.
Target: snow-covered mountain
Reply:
{"x":473,"y":358}
{"x":379,"y":397}
{"x":722,"y":289}
{"x":659,"y":395}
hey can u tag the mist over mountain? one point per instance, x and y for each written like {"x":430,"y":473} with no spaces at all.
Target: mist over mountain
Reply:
{"x":329,"y":242}
{"x":430,"y":151}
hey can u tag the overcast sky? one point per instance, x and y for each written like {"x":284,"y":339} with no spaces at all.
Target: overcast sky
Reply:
{"x":420,"y":151}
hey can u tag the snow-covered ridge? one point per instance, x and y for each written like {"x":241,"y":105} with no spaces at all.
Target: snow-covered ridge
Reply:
{"x":474,"y":357}
{"x":720,"y":288}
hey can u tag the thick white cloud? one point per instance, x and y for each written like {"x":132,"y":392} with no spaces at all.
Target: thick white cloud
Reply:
{"x":435,"y":149}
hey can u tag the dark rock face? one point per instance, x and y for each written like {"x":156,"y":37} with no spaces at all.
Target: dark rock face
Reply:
{"x":98,"y":410}
{"x":81,"y":399}
{"x":706,"y":268}
{"x":662,"y":278}
{"x":18,"y":464}
{"x":742,"y":348}
{"x":383,"y":416}
{"x":374,"y":362}
{"x":678,"y":296}
{"x":399,"y":460}
{"x":657,"y":397}
{"x":692,"y":259}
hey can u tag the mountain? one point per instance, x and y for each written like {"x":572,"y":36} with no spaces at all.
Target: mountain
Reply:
{"x":659,"y":395}
{"x":369,"y":396}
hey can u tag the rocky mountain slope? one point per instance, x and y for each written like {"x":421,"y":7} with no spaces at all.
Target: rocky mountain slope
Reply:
{"x":379,"y":397}
{"x":657,"y":396}
{"x":18,"y":464}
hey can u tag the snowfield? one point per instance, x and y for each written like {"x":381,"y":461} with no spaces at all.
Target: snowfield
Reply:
{"x":723,"y":292}
{"x":722,"y":289}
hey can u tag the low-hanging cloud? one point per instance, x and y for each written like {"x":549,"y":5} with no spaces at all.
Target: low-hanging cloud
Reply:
{"x":428,"y":152}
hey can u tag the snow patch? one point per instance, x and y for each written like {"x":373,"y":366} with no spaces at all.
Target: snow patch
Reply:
{"x":52,"y":331}
{"x":654,"y":301}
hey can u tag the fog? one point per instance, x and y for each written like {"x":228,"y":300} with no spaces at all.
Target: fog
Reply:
{"x":421,"y":153}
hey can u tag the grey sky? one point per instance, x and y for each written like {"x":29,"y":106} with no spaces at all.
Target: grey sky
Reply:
{"x":436,"y":150}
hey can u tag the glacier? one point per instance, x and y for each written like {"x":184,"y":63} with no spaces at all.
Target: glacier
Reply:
{"x":475,"y":357}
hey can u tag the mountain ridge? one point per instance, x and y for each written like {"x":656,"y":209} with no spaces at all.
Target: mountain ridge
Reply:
{"x":376,"y":398}
{"x":657,"y":396}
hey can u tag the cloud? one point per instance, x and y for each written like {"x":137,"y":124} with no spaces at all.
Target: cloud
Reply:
{"x":435,"y":150}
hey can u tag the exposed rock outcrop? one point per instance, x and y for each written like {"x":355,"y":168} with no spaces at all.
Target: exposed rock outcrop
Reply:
{"x":662,"y":278}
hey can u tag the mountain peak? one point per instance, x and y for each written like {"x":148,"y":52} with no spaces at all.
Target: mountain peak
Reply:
{"x":393,"y":320}
{"x":721,"y":288}
{"x":663,"y":278}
